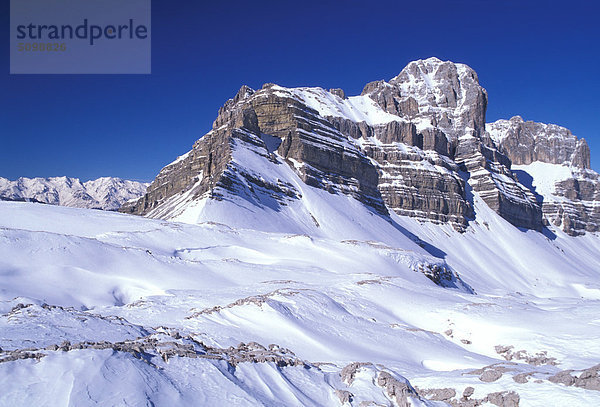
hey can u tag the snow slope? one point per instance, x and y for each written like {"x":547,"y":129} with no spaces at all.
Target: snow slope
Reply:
{"x":316,"y":212}
{"x":155,"y":311}
{"x":546,"y":176}
{"x":359,"y":108}
{"x":103,"y":193}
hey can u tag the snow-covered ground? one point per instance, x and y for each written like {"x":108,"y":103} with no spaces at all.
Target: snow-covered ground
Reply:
{"x":155,"y":311}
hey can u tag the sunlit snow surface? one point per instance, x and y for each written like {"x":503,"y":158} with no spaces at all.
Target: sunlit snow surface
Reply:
{"x":331,"y":298}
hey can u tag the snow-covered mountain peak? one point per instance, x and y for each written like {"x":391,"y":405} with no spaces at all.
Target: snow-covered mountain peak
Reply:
{"x":103,"y":193}
{"x":440,"y":88}
{"x":431,"y":69}
{"x":434,"y":94}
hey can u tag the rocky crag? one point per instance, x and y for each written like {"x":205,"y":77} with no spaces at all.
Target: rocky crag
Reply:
{"x":559,"y":166}
{"x":416,"y":145}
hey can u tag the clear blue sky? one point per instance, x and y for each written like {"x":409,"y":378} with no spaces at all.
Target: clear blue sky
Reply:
{"x":540,"y":60}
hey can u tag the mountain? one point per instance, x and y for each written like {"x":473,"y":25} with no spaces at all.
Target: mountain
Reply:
{"x":556,"y":165}
{"x":417,"y":145}
{"x":103,"y":193}
{"x":313,"y":249}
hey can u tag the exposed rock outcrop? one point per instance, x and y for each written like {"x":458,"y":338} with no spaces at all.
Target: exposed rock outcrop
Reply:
{"x":267,"y":121}
{"x":588,"y":379}
{"x":525,"y":142}
{"x":421,"y":184}
{"x":448,"y":395}
{"x":397,"y":390}
{"x":571,"y":201}
{"x":194,"y":173}
{"x":574,"y":206}
{"x":416,"y":176}
{"x":167,"y":344}
{"x":434,"y":94}
{"x":540,"y":358}
{"x":448,"y":106}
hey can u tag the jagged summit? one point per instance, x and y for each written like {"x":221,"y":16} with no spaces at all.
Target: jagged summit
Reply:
{"x":416,"y":145}
{"x":525,"y":142}
{"x":434,"y":93}
{"x":556,"y":165}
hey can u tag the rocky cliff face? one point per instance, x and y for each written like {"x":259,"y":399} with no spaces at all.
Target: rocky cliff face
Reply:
{"x":416,"y":145}
{"x":525,"y":142}
{"x":558,"y":166}
{"x":447,"y":106}
{"x":435,"y":95}
{"x":323,"y":156}
{"x":574,"y":206}
{"x":272,"y":124}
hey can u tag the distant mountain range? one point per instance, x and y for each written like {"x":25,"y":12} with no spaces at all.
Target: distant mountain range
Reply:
{"x":103,"y":193}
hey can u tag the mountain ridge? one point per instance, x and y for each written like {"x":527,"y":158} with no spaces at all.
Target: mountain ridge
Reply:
{"x":417,"y":145}
{"x":107,"y":193}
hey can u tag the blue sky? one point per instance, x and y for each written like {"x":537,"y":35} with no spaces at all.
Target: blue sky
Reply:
{"x":536,"y":59}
